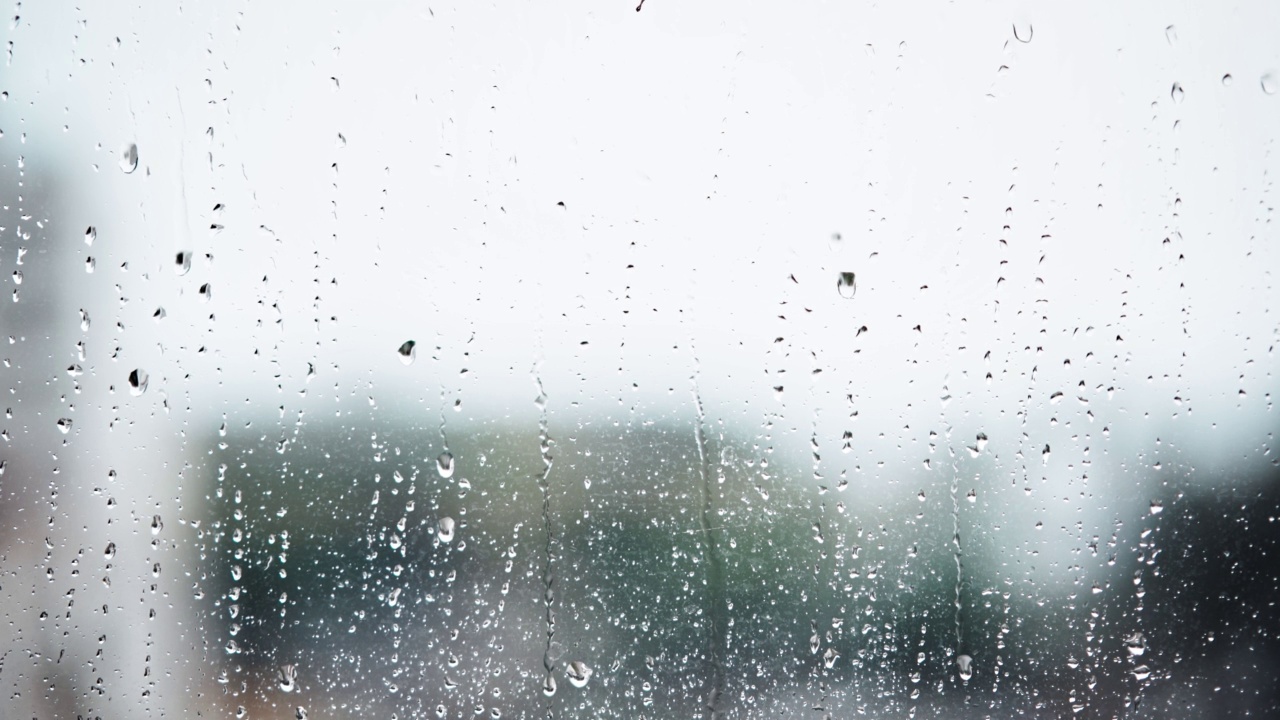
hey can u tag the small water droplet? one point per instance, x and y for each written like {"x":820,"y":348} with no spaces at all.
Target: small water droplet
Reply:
{"x":1226,"y":79}
{"x":156,"y":524}
{"x":129,"y":158}
{"x":110,"y":552}
{"x":1176,"y":93}
{"x":965,"y":664}
{"x":183,"y":262}
{"x":341,"y":141}
{"x":300,"y":713}
{"x":64,"y":424}
{"x":1171,"y":34}
{"x":579,"y":673}
{"x":446,"y":529}
{"x":972,"y":496}
{"x":1157,"y":507}
{"x":206,"y":292}
{"x":1268,"y":83}
{"x":138,"y":381}
{"x":444,"y":464}
{"x":407,"y":352}
{"x":287,"y":677}
{"x":847,"y":285}
{"x":1023,"y":32}
{"x":90,"y":235}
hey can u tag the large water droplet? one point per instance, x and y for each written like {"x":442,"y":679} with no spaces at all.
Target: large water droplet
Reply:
{"x":1136,"y":644}
{"x":138,"y":381}
{"x":549,"y":685}
{"x":579,"y":673}
{"x":129,"y":158}
{"x":90,"y":235}
{"x":445,"y":531}
{"x":287,"y":677}
{"x":829,"y":658}
{"x":965,"y":664}
{"x":1156,"y":507}
{"x":846,"y":284}
{"x":1142,"y":672}
{"x":444,"y":464}
{"x":183,"y":262}
{"x":64,"y":424}
{"x":156,"y":524}
{"x":406,"y":351}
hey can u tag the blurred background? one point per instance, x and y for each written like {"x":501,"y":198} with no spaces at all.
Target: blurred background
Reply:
{"x":739,"y":360}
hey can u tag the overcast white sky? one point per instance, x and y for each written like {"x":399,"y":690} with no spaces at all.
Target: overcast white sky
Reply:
{"x":705,"y":154}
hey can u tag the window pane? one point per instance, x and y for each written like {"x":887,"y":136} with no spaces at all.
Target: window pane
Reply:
{"x":711,"y":360}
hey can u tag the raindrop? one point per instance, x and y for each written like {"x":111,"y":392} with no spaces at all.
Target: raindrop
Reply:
{"x":90,"y":235}
{"x":287,"y":677}
{"x":1023,"y":32}
{"x":549,"y":685}
{"x":1268,"y":83}
{"x":110,"y":552}
{"x":159,"y":314}
{"x":846,"y":285}
{"x":1136,"y":644}
{"x":982,"y":441}
{"x":206,"y":292}
{"x":1176,"y":92}
{"x":445,"y":531}
{"x":129,"y":158}
{"x":965,"y":665}
{"x":138,"y":381}
{"x":1156,"y":508}
{"x":1171,"y":34}
{"x":156,"y":524}
{"x":444,"y":464}
{"x":17,"y":277}
{"x":183,"y":262}
{"x":300,"y":713}
{"x":64,"y":424}
{"x":1142,"y":672}
{"x":579,"y":673}
{"x":829,"y":658}
{"x":406,"y":351}
{"x":1226,"y":79}
{"x":90,"y":264}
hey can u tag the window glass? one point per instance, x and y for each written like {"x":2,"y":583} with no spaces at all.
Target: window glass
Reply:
{"x":713,"y":360}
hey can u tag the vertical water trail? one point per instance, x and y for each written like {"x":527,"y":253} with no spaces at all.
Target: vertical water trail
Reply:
{"x":959,"y":549}
{"x":548,"y":569}
{"x":717,"y":624}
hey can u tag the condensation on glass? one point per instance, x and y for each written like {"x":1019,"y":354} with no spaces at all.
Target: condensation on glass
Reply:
{"x":674,"y":360}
